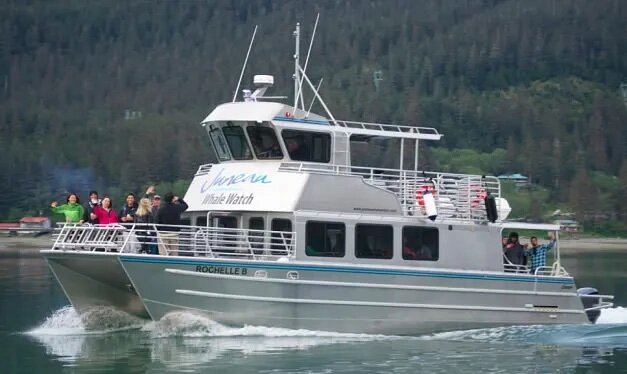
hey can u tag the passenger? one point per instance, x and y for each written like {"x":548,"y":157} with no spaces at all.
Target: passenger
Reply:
{"x":504,"y":242}
{"x":145,"y":232}
{"x":514,"y":251}
{"x":105,"y":214}
{"x":155,"y":200}
{"x":170,"y":216}
{"x":296,"y":148}
{"x":537,"y":253}
{"x":155,"y":203}
{"x":72,"y":209}
{"x":409,"y":253}
{"x":127,"y":212}
{"x":94,"y":201}
{"x":426,"y":253}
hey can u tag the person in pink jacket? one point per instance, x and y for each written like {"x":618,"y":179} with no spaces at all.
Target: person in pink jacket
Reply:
{"x":105,"y":214}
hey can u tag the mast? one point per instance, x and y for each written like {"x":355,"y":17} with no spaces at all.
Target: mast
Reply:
{"x":296,"y":64}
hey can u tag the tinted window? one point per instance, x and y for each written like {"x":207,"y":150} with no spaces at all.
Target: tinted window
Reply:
{"x":281,"y":240}
{"x":237,"y":142}
{"x":325,"y":239}
{"x":219,"y":145}
{"x":265,"y":142}
{"x":420,"y":243}
{"x":201,"y":221}
{"x":256,"y":237}
{"x":307,"y":146}
{"x":374,"y":241}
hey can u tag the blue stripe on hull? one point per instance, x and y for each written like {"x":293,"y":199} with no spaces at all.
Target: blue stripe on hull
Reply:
{"x":350,"y":270}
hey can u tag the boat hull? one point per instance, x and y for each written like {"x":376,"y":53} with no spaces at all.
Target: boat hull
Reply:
{"x":355,"y":299}
{"x":93,"y":280}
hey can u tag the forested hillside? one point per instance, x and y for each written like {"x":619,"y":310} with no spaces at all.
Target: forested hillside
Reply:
{"x":534,"y":85}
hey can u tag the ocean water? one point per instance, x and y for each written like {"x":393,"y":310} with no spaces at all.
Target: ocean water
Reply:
{"x":40,"y":332}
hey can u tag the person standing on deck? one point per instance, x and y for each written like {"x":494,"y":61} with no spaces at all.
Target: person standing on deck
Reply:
{"x":170,"y":214}
{"x":514,"y":251}
{"x":105,"y":214}
{"x":145,"y":231}
{"x":127,"y":212}
{"x":537,"y":253}
{"x":94,"y":201}
{"x":72,"y":209}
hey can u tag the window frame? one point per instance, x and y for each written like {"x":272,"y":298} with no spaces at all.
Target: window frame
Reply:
{"x":327,"y":159}
{"x":435,"y":252}
{"x":325,"y":253}
{"x":358,"y":241}
{"x":244,"y":138}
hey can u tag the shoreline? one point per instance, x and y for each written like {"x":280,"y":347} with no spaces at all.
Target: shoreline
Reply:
{"x":566,"y":245}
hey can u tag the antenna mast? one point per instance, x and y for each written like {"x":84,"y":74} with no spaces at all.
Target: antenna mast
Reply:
{"x":250,"y":46}
{"x":296,"y":64}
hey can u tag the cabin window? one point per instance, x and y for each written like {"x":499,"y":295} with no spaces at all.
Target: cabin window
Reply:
{"x":256,"y":237}
{"x":237,"y":142}
{"x":374,"y":241}
{"x":201,"y":221}
{"x":265,"y":142}
{"x":281,"y":237}
{"x":219,"y":144}
{"x":228,"y":222}
{"x":325,"y":239}
{"x":307,"y":145}
{"x":420,"y":243}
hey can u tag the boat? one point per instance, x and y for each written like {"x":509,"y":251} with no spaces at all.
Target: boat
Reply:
{"x":288,"y":229}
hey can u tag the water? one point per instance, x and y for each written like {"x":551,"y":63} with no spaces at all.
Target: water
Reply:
{"x":39,"y":332}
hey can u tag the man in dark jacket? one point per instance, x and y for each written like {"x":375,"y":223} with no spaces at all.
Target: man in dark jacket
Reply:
{"x":514,"y":251}
{"x":94,"y":201}
{"x":127,"y":212}
{"x":170,"y":216}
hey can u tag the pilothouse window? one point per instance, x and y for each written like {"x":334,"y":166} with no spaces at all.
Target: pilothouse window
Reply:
{"x":265,"y":142}
{"x":219,"y":144}
{"x":307,"y":145}
{"x":236,"y":139}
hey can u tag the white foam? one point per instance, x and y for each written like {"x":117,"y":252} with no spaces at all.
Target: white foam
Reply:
{"x":66,"y":321}
{"x":616,"y":315}
{"x":192,"y":325}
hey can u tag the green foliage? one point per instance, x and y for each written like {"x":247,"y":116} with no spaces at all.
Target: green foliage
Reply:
{"x":515,"y":86}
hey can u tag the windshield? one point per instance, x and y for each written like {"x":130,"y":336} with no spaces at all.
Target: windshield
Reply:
{"x":265,"y":142}
{"x":236,"y":139}
{"x":219,"y":144}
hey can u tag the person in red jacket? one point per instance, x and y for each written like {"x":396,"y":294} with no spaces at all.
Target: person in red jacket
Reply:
{"x":104,"y":213}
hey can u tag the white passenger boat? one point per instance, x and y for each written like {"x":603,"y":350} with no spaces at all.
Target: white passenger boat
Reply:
{"x":289,"y":230}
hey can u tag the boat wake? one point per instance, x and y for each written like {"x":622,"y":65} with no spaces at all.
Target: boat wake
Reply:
{"x":611,"y":329}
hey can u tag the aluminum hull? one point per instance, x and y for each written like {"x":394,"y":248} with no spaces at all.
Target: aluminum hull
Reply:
{"x":94,"y":280}
{"x":349,"y":298}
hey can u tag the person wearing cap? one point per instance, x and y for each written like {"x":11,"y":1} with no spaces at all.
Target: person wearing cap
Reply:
{"x":514,"y":251}
{"x":155,"y":200}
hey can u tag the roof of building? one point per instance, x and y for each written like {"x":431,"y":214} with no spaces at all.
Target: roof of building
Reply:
{"x":33,"y":219}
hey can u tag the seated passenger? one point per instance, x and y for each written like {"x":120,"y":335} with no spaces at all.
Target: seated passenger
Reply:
{"x":296,"y":149}
{"x":409,"y":253}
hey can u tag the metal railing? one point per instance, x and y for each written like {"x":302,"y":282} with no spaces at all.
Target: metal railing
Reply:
{"x":457,"y":196}
{"x":388,"y":127}
{"x":214,"y":242}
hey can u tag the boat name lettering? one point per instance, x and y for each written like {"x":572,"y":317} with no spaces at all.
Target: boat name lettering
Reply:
{"x":221,"y":270}
{"x":229,"y":180}
{"x":230,"y":198}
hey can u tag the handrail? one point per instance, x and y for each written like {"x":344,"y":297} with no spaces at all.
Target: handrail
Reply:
{"x":177,"y":240}
{"x":457,"y":196}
